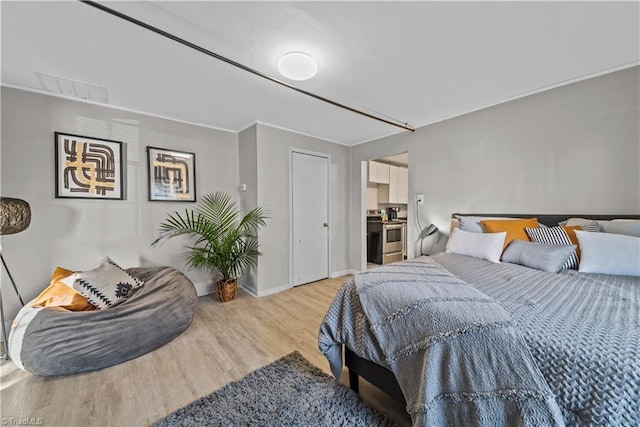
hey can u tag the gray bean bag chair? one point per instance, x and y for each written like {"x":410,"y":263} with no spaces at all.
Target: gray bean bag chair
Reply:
{"x":53,"y":341}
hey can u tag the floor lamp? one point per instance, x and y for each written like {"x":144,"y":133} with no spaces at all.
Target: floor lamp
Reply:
{"x":15,"y":216}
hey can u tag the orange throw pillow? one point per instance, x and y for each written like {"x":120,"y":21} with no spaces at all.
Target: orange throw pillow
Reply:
{"x":571,"y":232}
{"x":60,"y":295}
{"x":515,"y":228}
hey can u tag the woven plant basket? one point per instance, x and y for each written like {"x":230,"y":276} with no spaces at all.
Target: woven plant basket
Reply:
{"x":227,"y":291}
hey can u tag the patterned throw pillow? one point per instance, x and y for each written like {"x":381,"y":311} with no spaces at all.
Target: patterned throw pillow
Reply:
{"x":554,"y":236}
{"x":105,"y":286}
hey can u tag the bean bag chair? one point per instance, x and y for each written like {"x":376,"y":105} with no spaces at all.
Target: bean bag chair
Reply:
{"x":52,"y":341}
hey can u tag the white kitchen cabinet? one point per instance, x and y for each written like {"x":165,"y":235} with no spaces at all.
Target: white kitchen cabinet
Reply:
{"x":389,"y":193}
{"x":397,"y":190}
{"x":403,"y":185}
{"x":378,"y":172}
{"x":372,"y":196}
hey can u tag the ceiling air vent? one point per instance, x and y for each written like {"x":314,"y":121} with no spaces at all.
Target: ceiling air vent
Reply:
{"x":72,"y":88}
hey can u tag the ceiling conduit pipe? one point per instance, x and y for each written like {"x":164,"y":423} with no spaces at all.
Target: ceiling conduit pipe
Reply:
{"x":392,"y":122}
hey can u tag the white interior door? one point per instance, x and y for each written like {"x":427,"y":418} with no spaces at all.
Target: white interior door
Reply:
{"x":310,"y":216}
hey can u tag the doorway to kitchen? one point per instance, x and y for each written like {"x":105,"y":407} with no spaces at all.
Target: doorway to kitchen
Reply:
{"x":385,"y":195}
{"x":309,"y":253}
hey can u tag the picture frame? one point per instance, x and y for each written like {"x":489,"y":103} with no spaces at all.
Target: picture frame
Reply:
{"x":172,"y":175}
{"x":88,"y":168}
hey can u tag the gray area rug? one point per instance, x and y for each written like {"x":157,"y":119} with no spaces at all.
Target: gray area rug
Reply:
{"x":288,"y":392}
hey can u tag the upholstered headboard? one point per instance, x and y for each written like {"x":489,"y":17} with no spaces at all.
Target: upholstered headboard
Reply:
{"x":550,"y":219}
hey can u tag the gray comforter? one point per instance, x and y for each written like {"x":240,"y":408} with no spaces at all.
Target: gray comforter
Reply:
{"x":503,"y":349}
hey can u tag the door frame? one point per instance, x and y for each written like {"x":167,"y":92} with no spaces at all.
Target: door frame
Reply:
{"x":364,"y":172}
{"x":362,"y":217}
{"x":329,"y":218}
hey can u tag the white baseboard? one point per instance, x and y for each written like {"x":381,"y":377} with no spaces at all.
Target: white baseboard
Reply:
{"x":277,"y":289}
{"x":249,"y":291}
{"x":343,"y":273}
{"x":266,"y":292}
{"x":273,"y":290}
{"x":207,"y":288}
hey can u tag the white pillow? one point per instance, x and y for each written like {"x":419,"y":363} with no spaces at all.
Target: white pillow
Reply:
{"x":630,"y":227}
{"x":478,"y":245}
{"x":609,"y":253}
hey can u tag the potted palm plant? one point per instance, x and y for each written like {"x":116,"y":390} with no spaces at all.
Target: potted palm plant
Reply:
{"x":224,"y":242}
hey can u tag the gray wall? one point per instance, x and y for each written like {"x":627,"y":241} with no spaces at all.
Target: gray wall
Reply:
{"x":573,"y":149}
{"x":77,"y":233}
{"x":273,"y":191}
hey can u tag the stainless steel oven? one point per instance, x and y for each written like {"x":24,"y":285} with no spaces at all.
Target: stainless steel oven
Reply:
{"x":391,"y":238}
{"x":385,"y":241}
{"x":392,"y":242}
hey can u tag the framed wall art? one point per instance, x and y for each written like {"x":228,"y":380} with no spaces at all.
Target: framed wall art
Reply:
{"x":172,"y":175}
{"x":88,"y":168}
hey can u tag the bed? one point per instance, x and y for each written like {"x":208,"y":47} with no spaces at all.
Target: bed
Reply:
{"x":465,"y":341}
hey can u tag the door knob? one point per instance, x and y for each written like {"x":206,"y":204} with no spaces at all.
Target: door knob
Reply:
{"x":325,"y":225}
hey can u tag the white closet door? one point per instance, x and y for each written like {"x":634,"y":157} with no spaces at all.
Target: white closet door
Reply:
{"x":310,"y":216}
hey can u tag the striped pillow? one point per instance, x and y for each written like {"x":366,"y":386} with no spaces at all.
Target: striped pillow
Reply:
{"x":554,"y":236}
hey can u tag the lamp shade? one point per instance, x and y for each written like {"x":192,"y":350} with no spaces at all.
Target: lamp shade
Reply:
{"x":15,"y":215}
{"x":431,"y":230}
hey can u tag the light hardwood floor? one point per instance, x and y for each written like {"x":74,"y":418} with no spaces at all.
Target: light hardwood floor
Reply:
{"x":225,"y":342}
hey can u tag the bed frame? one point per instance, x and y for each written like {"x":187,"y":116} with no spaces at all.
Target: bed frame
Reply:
{"x":383,"y":378}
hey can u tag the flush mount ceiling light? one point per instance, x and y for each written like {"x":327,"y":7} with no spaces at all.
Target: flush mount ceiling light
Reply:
{"x":297,"y":66}
{"x":387,"y":119}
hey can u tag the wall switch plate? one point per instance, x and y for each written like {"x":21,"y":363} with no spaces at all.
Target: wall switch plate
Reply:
{"x":420,"y":199}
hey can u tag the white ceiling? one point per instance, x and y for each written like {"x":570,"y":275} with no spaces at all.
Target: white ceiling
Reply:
{"x":418,"y":62}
